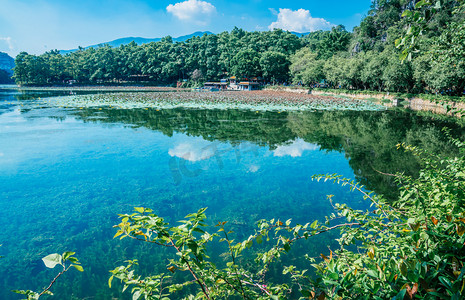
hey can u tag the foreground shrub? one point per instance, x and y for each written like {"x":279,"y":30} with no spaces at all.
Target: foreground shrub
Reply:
{"x":413,"y":248}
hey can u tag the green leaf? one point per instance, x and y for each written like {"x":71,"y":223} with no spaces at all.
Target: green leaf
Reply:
{"x":400,"y":295}
{"x":403,"y":269}
{"x":74,"y":260}
{"x":30,"y":294}
{"x":372,"y":273}
{"x":139,"y":209}
{"x":460,"y":230}
{"x":199,"y":230}
{"x":445,"y":281}
{"x":68,"y":254}
{"x":420,"y":4}
{"x":78,"y":267}
{"x":52,"y":260}
{"x":136,"y":295}
{"x":407,"y":13}
{"x":314,"y":224}
{"x":306,"y":293}
{"x":287,"y":247}
{"x":193,"y":246}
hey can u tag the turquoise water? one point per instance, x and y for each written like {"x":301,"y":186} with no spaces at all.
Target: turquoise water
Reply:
{"x":66,"y":173}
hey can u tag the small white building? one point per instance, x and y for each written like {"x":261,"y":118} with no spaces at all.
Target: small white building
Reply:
{"x":216,"y":86}
{"x":249,"y":86}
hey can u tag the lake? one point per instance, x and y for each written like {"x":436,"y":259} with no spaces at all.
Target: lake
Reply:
{"x":66,"y":174}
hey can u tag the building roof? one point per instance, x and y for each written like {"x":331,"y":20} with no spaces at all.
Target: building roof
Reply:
{"x":216,"y":83}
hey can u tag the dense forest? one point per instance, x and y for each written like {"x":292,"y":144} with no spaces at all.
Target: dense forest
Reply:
{"x":363,"y":59}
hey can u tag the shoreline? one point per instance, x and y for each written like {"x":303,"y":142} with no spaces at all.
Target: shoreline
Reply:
{"x":98,"y":88}
{"x":414,"y":103}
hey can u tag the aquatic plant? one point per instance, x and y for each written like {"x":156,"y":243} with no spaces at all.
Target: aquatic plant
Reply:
{"x":259,"y":101}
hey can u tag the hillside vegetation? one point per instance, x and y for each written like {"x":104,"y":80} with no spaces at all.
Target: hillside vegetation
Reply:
{"x":363,"y":59}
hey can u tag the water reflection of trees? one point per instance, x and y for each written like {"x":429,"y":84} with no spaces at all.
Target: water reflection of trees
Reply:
{"x":368,"y":138}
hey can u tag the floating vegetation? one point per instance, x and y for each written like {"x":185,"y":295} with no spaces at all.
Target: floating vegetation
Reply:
{"x":257,"y":101}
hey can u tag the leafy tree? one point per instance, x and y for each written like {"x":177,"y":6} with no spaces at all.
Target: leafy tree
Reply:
{"x":397,"y":76}
{"x":419,"y":19}
{"x":337,"y":40}
{"x":447,"y":60}
{"x":354,"y":70}
{"x":246,"y":63}
{"x":306,"y":68}
{"x":335,"y":72}
{"x":275,"y":66}
{"x":372,"y":72}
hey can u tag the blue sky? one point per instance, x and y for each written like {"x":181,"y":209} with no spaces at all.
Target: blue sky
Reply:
{"x":37,"y":26}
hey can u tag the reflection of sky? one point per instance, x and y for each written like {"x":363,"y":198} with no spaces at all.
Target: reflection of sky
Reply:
{"x":295,"y":149}
{"x":193,"y":151}
{"x":254,"y":168}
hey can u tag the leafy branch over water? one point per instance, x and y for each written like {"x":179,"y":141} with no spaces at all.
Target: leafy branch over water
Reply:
{"x":412,"y":248}
{"x":51,"y":261}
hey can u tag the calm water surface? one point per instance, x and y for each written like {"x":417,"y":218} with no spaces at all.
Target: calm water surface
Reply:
{"x":66,"y":173}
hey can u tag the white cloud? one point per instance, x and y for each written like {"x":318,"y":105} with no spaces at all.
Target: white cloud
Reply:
{"x":295,"y":149}
{"x":193,"y":11}
{"x":192,"y":152}
{"x":299,"y":21}
{"x":8,"y":41}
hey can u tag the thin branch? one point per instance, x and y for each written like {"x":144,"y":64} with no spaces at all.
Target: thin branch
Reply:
{"x":204,"y":287}
{"x":145,"y":240}
{"x":355,"y":186}
{"x":234,"y":261}
{"x":259,"y":286}
{"x":54,"y":279}
{"x":387,"y":174}
{"x":235,"y":288}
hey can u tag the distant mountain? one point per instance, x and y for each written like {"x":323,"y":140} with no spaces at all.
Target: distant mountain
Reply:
{"x":7,"y":63}
{"x":140,"y":41}
{"x":300,"y":34}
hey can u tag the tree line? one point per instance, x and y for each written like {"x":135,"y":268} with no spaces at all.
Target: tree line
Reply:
{"x":365,"y":59}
